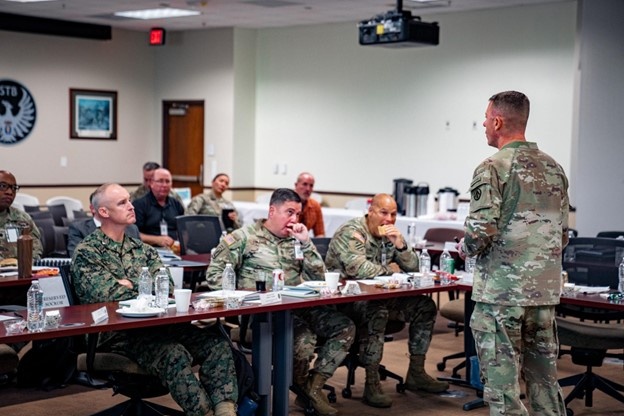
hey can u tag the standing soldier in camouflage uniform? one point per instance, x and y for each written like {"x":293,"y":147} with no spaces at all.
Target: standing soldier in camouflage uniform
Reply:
{"x":213,"y":202}
{"x":517,"y":228}
{"x":15,"y":218}
{"x":105,"y":268}
{"x":282,"y":242}
{"x":363,"y":248}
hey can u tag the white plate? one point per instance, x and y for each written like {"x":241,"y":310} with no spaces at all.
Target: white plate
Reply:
{"x":127,"y":312}
{"x":318,"y":284}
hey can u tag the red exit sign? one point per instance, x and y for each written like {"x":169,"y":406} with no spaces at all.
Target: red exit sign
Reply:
{"x":157,"y":36}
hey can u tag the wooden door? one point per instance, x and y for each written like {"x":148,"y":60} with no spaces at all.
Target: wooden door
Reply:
{"x":183,"y":143}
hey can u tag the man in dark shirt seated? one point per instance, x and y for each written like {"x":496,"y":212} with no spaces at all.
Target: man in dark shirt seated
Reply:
{"x":155,"y":207}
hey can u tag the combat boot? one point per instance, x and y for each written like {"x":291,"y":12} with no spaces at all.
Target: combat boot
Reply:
{"x":314,"y":390}
{"x":225,"y":408}
{"x":418,"y":379}
{"x":373,"y":393}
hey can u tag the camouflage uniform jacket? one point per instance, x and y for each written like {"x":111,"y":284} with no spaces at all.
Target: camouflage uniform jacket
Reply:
{"x":99,"y":262}
{"x":209,"y":204}
{"x":253,"y":248}
{"x":517,"y":227}
{"x":14,"y":216}
{"x":357,"y":253}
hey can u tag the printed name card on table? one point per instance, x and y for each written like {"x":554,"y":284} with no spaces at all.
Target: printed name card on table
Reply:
{"x":270,"y":297}
{"x":54,"y":293}
{"x":100,"y":315}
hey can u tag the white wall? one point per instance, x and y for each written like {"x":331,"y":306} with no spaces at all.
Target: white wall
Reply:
{"x":357,"y":117}
{"x":599,"y":171}
{"x":49,"y":66}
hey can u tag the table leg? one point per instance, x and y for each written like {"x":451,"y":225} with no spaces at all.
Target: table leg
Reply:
{"x":261,"y":356}
{"x":282,"y":361}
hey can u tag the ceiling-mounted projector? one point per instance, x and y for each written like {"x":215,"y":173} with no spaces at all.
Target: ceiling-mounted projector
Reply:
{"x":398,"y":28}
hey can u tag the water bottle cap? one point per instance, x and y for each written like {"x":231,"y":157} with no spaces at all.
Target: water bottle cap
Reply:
{"x":144,"y":268}
{"x":228,"y":264}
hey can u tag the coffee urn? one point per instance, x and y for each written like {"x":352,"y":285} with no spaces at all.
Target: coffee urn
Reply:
{"x":399,"y":193}
{"x":422,"y":194}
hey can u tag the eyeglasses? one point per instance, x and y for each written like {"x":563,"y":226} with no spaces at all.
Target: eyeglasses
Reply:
{"x":162,"y":181}
{"x":4,"y":186}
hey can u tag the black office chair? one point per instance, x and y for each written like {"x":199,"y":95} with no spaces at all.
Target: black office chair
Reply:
{"x":198,"y":234}
{"x":610,"y":234}
{"x":589,"y":342}
{"x":593,"y":261}
{"x":116,"y":371}
{"x":58,"y":213}
{"x":322,"y":245}
{"x":53,"y":237}
{"x":454,"y":312}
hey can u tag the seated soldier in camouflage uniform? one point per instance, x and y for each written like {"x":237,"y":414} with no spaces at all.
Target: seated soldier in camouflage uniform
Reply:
{"x":14,"y":217}
{"x":105,"y":268}
{"x":359,"y":250}
{"x":213,"y":203}
{"x":282,"y":242}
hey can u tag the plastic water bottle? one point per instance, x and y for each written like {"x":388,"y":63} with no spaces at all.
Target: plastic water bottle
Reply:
{"x":621,"y":276}
{"x":145,"y":284}
{"x":228,"y":280}
{"x":161,"y":289}
{"x":446,"y":267}
{"x":411,"y":235}
{"x":425,"y":262}
{"x":34,"y":301}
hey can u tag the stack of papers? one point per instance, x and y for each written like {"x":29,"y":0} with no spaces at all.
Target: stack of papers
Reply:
{"x":591,"y":289}
{"x":300,"y":291}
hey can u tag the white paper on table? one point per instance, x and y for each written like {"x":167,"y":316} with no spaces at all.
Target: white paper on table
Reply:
{"x":220,"y":294}
{"x":369,"y":282}
{"x":591,"y":289}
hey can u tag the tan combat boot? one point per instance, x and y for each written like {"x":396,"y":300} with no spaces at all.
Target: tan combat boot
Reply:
{"x":418,"y":379}
{"x":225,"y":408}
{"x":314,"y":390}
{"x":373,"y":393}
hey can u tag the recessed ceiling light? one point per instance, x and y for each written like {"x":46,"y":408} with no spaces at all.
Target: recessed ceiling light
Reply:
{"x":161,"y":13}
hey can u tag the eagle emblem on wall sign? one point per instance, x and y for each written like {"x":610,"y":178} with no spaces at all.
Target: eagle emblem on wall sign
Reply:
{"x":17,"y":112}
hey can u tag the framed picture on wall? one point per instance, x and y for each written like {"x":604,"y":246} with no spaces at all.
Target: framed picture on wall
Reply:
{"x":93,"y":114}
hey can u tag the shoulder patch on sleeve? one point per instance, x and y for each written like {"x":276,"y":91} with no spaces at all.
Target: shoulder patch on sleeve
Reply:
{"x":229,"y":239}
{"x":359,"y":237}
{"x":476,"y":182}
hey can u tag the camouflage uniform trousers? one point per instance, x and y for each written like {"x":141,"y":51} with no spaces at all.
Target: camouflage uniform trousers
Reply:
{"x":334,"y":328}
{"x":513,"y":341}
{"x":372,"y":317}
{"x":169,"y":352}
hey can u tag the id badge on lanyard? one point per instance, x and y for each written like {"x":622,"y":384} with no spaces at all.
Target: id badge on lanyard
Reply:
{"x":384,"y":256}
{"x":298,"y":251}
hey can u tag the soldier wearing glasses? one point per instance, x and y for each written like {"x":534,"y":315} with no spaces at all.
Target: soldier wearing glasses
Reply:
{"x":14,"y":219}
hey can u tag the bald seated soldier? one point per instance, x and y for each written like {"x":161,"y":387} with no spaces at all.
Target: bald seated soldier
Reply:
{"x":282,"y":242}
{"x":370,"y":246}
{"x":13,"y":218}
{"x":105,"y":268}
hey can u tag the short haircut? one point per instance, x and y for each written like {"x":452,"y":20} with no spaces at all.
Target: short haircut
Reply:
{"x":220,"y":174}
{"x":512,"y":105}
{"x":98,"y":195}
{"x":149,"y":166}
{"x":282,"y":195}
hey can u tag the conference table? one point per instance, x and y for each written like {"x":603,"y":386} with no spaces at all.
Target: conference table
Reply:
{"x":272,"y":331}
{"x":333,"y":218}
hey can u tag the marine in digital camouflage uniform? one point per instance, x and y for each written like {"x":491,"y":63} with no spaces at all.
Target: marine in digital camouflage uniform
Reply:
{"x":359,"y":251}
{"x":270,"y":244}
{"x":105,"y":268}
{"x":517,"y":228}
{"x":10,"y":216}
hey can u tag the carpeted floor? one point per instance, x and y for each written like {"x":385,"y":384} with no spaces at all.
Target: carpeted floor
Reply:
{"x":77,"y":401}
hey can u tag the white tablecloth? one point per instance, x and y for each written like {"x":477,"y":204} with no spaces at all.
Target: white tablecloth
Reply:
{"x":335,"y":217}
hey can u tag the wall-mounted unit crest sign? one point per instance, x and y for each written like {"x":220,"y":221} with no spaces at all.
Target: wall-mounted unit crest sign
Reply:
{"x":17,"y":112}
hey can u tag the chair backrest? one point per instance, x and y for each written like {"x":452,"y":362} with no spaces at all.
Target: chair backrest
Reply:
{"x":71,"y":204}
{"x":198,"y":234}
{"x":322,"y":245}
{"x":58,"y":213}
{"x":593,"y":261}
{"x":53,"y":237}
{"x":442,"y":235}
{"x":32,"y":208}
{"x":26,"y":200}
{"x":610,"y":234}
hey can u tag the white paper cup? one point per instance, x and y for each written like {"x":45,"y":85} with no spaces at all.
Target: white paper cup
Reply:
{"x":332,"y":281}
{"x":182,"y":299}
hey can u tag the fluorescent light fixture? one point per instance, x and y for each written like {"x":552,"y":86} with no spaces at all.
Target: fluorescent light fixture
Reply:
{"x":160,"y":13}
{"x":29,"y":1}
